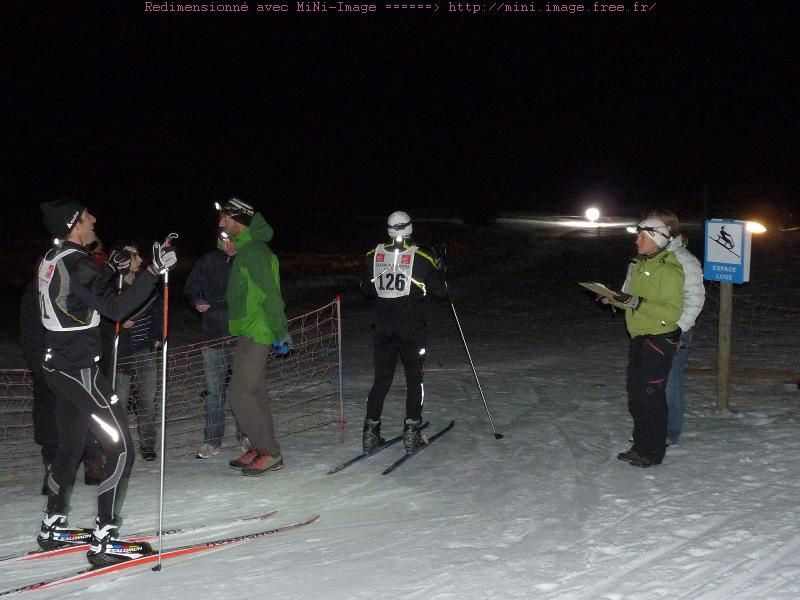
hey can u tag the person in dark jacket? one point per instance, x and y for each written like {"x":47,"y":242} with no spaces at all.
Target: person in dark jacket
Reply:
{"x":32,"y":341}
{"x":206,"y":290}
{"x":73,"y":291}
{"x":139,"y":338}
{"x":399,"y":275}
{"x":45,"y":432}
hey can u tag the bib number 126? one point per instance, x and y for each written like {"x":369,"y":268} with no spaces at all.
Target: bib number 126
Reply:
{"x":393,"y":281}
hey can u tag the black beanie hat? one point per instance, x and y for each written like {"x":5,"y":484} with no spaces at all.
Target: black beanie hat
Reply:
{"x":59,"y":216}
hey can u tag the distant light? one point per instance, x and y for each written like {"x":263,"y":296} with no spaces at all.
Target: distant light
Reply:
{"x":592,"y":214}
{"x":754,"y":227}
{"x":217,"y":206}
{"x":574,"y":222}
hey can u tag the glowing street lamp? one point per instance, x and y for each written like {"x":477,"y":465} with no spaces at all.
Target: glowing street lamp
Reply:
{"x":592,"y":214}
{"x":754,"y":227}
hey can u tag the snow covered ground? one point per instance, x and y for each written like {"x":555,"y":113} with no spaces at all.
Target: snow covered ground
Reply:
{"x":545,"y":513}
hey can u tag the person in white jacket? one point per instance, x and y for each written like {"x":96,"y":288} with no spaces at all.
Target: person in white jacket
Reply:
{"x":694,"y":296}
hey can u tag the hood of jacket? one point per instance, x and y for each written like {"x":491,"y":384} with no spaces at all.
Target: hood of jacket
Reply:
{"x":676,"y":242}
{"x":258,"y":230}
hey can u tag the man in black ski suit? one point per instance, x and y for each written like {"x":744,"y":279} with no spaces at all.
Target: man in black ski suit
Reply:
{"x":399,"y":275}
{"x":73,"y":292}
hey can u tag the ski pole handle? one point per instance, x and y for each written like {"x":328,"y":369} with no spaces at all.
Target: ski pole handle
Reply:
{"x":168,"y":241}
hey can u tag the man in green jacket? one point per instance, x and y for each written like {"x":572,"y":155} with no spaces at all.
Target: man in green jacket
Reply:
{"x":256,"y":316}
{"x":652,"y":308}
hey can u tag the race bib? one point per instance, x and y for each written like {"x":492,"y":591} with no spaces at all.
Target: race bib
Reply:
{"x":50,"y":314}
{"x":392,"y":271}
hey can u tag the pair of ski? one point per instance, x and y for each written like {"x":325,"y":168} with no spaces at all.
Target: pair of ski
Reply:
{"x":143,"y":536}
{"x":167,"y":553}
{"x":391,"y":442}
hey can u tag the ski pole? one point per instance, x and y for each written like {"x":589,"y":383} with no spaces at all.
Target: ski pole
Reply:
{"x":167,"y":243}
{"x":115,"y":350}
{"x":497,"y":436}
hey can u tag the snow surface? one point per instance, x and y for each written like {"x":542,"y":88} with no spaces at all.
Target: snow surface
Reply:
{"x":545,"y":513}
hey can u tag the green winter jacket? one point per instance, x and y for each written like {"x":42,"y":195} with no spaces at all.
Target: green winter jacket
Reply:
{"x":255,"y":306}
{"x":658,"y":281}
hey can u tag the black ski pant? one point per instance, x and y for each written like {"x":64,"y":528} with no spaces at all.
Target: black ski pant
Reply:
{"x":411,"y":350}
{"x":649,"y":363}
{"x":86,"y":403}
{"x":45,"y":429}
{"x":45,"y":432}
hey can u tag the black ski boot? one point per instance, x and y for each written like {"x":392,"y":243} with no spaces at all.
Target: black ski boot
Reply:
{"x":371,"y":438}
{"x":413,"y":438}
{"x":56,"y":533}
{"x":107,"y":549}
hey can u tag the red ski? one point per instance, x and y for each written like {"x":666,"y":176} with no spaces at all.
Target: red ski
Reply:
{"x":165,"y":554}
{"x":134,"y":537}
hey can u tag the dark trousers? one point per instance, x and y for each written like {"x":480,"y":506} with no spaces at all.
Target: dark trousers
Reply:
{"x":248,"y":396}
{"x":45,"y":432}
{"x":411,"y":350}
{"x":85,"y":403}
{"x":649,"y":363}
{"x":45,"y":429}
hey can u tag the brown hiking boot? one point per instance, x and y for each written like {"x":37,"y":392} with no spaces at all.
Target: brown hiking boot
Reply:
{"x":263,"y":463}
{"x":244,"y":460}
{"x":644,"y":462}
{"x":629,"y":455}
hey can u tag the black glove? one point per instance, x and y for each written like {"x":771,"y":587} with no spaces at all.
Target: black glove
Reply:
{"x":164,"y":258}
{"x":626,"y":301}
{"x":119,"y":260}
{"x":441,"y":258}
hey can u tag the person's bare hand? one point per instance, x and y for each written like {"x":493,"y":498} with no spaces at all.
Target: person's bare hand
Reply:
{"x":228,"y":247}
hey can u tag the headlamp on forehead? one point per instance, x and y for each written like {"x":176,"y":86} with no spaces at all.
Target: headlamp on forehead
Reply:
{"x":639,"y":229}
{"x":399,"y":225}
{"x":236,"y":210}
{"x":656,"y":229}
{"x":234,"y":207}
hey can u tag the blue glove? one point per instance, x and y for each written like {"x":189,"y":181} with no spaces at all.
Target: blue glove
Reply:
{"x":280,"y":348}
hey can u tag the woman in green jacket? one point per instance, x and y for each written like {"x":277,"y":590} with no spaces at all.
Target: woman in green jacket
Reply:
{"x":652,"y":307}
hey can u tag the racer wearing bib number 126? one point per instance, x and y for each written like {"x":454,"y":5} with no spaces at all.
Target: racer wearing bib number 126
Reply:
{"x":399,"y":275}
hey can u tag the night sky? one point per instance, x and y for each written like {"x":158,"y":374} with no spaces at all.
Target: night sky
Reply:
{"x":150,"y":117}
